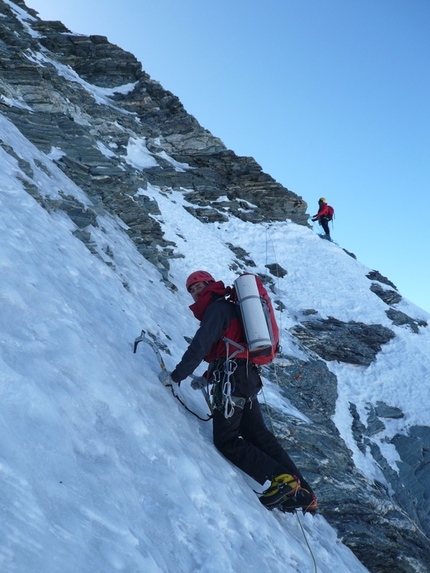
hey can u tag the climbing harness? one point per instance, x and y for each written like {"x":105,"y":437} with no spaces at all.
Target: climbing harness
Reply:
{"x":226,"y":388}
{"x":223,"y":389}
{"x":222,"y":380}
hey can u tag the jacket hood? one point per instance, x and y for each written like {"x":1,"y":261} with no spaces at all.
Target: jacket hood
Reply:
{"x":211,"y":293}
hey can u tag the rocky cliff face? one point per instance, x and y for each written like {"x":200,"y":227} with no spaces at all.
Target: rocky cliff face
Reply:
{"x":61,"y":78}
{"x":114,"y":131}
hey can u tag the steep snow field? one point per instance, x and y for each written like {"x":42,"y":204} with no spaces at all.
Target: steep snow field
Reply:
{"x":100,"y":468}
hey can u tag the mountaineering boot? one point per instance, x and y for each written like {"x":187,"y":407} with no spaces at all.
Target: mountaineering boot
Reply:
{"x":281,"y":488}
{"x":303,"y":499}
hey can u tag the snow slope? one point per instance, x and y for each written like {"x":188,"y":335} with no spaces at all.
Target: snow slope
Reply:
{"x":100,"y":468}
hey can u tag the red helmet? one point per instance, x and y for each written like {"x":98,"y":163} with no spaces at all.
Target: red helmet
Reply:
{"x":199,"y":277}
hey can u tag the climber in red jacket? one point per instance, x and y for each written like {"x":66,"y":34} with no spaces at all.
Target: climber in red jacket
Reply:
{"x":239,"y":431}
{"x":324,"y":215}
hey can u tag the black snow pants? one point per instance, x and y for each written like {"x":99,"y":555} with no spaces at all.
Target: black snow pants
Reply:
{"x":246,"y":442}
{"x":323,"y":221}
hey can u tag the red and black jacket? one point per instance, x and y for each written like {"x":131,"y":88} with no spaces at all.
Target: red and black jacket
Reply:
{"x":323,"y":211}
{"x":219,"y":319}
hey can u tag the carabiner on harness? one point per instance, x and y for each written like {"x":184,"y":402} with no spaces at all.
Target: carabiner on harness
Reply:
{"x":226,"y":389}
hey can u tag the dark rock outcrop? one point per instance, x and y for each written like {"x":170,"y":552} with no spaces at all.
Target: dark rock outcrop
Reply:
{"x":414,"y":475}
{"x":376,"y":276}
{"x":351,"y":342}
{"x":385,"y":532}
{"x":388,"y":296}
{"x":276,"y":270}
{"x":399,"y":318}
{"x":411,"y":482}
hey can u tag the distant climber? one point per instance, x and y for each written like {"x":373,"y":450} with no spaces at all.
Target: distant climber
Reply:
{"x":324,"y":215}
{"x":241,"y":434}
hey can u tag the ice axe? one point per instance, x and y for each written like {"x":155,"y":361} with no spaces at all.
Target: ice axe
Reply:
{"x":144,"y":338}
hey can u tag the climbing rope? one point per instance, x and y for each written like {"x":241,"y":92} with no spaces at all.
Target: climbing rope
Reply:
{"x":188,"y":409}
{"x":307,"y":543}
{"x":280,"y":312}
{"x":275,"y":372}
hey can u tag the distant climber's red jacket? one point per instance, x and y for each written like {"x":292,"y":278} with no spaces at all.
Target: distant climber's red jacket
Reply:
{"x":322,"y":212}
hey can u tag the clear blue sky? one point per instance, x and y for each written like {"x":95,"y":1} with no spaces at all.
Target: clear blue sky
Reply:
{"x":331,"y":97}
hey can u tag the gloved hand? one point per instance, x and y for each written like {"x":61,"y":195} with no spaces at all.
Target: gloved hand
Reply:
{"x":314,"y":219}
{"x":165,"y":378}
{"x":198,"y":383}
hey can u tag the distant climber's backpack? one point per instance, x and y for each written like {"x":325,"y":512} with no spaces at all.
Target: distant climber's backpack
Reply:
{"x":258,"y":319}
{"x":330,"y":212}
